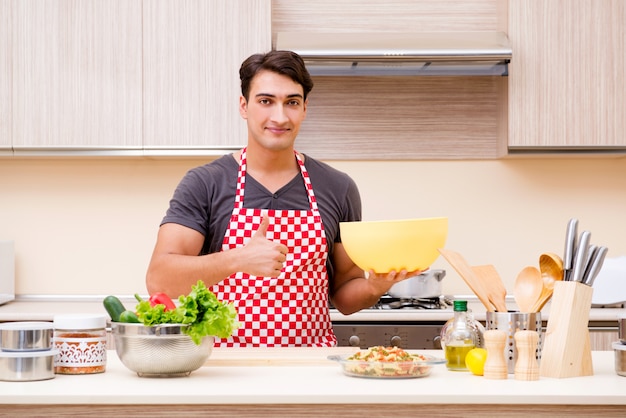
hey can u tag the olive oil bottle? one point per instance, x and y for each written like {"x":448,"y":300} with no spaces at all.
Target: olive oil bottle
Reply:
{"x":458,"y":337}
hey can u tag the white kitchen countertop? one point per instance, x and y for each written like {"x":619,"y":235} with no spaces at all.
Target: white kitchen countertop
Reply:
{"x":44,"y":310}
{"x":305,"y":377}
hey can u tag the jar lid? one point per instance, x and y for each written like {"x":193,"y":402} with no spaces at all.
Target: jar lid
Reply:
{"x":460,"y":306}
{"x":79,"y":321}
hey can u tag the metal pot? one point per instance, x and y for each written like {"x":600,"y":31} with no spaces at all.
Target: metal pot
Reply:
{"x":425,"y":285}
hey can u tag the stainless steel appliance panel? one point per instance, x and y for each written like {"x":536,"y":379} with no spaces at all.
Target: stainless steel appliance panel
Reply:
{"x":407,"y":335}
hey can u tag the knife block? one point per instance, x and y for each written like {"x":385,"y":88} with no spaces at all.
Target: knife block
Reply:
{"x":567,"y":347}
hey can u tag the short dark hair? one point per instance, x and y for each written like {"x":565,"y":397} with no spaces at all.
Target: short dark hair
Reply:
{"x":286,"y":63}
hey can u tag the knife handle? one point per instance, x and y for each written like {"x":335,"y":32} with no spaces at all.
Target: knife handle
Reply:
{"x":591,"y":255}
{"x":596,"y":266}
{"x":580,"y":257}
{"x":570,"y":246}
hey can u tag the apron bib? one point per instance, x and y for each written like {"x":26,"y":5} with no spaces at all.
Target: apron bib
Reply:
{"x":290,"y":310}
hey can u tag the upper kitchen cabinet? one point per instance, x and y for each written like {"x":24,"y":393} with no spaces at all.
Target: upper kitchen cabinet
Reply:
{"x":76,"y":74}
{"x":567,"y":84}
{"x":400,"y":117}
{"x":192,"y":53}
{"x":5,"y":79}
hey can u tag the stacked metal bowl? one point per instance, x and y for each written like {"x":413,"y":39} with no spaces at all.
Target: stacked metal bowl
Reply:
{"x":26,"y":352}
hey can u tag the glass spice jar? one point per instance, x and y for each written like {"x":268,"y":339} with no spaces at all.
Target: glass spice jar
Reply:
{"x":81,"y":341}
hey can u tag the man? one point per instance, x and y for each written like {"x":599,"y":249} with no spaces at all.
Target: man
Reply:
{"x":277,"y":254}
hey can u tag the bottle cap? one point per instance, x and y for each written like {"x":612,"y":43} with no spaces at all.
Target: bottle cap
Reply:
{"x":460,"y":306}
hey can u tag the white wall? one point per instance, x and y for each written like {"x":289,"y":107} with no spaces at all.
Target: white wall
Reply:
{"x":87,"y":226}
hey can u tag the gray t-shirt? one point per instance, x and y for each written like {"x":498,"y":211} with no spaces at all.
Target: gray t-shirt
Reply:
{"x":205,"y":197}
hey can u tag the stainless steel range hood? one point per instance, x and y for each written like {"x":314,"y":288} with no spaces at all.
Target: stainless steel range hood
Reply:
{"x":433,"y":53}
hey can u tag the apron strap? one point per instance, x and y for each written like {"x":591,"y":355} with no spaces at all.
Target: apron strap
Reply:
{"x":241,"y":181}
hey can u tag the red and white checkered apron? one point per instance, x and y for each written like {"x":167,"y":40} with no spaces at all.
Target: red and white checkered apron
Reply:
{"x":291,"y":309}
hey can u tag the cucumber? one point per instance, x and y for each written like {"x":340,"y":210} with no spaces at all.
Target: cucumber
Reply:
{"x":129,"y":317}
{"x":114,"y":307}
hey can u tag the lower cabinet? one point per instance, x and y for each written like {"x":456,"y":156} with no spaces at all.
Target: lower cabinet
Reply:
{"x":602,"y":338}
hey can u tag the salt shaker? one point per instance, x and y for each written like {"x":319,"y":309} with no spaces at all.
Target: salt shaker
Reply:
{"x":526,"y":366}
{"x":495,"y":365}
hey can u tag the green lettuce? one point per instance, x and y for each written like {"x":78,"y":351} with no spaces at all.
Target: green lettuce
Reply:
{"x":204,"y":314}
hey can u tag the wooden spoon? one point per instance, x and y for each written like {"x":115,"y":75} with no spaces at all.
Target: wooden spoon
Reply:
{"x":492,"y":283}
{"x":528,"y":289}
{"x":551,"y":266}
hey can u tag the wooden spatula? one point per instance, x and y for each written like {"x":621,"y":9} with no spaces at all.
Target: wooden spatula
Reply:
{"x":466,"y":272}
{"x":493,"y":286}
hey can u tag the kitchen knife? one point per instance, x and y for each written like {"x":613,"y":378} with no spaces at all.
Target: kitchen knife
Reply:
{"x":592,"y":249}
{"x":580,"y":258}
{"x":591,"y":253}
{"x":570,"y":246}
{"x":595,"y":266}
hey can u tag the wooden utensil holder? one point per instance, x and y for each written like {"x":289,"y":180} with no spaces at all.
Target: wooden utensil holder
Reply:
{"x":567,"y":348}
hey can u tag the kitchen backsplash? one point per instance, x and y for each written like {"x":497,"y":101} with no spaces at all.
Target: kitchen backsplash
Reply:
{"x":88,"y":226}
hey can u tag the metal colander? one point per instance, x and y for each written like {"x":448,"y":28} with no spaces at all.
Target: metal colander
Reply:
{"x":159,"y":350}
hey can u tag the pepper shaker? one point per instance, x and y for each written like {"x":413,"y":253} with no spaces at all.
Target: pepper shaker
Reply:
{"x":526,"y":366}
{"x":495,"y":365}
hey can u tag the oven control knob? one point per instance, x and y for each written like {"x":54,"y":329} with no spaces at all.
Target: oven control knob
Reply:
{"x":437,"y":342}
{"x":396,"y":341}
{"x":354,"y":341}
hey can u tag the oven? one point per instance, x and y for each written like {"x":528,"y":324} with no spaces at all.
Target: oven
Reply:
{"x":404,"y":323}
{"x":416,"y":324}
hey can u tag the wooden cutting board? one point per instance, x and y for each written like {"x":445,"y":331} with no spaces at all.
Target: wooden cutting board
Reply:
{"x":278,"y":356}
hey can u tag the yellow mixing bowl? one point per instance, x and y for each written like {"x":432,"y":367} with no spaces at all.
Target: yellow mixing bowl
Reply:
{"x":383,"y":246}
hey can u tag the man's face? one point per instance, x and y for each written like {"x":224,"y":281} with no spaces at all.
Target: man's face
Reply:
{"x":274,"y":111}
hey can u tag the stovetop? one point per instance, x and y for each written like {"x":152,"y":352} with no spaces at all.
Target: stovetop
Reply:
{"x":391,"y":303}
{"x":387,"y":302}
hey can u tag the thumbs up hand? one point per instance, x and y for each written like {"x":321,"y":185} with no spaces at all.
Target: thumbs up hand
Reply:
{"x":264,"y":257}
{"x":262,"y":229}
